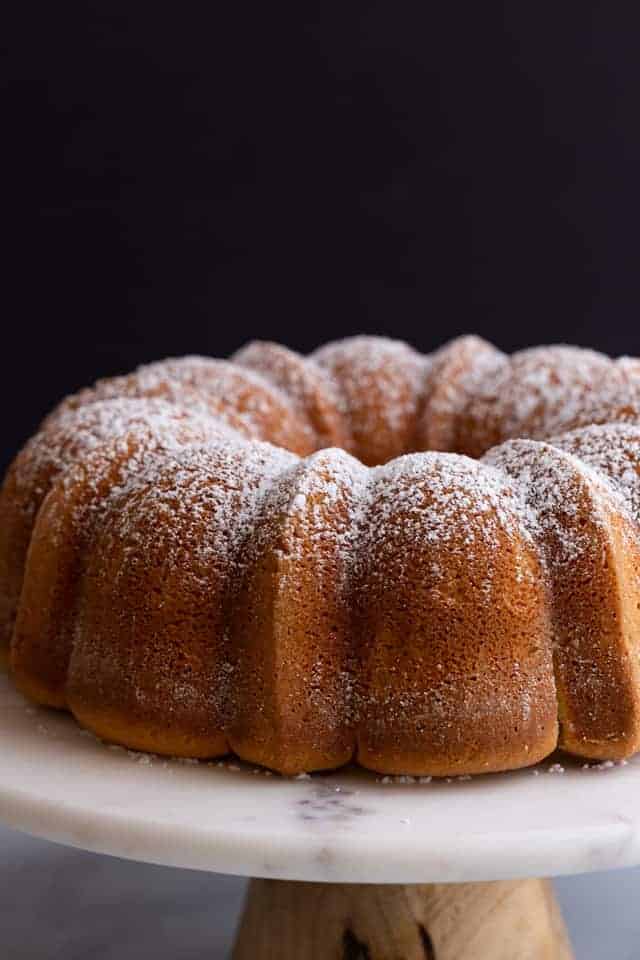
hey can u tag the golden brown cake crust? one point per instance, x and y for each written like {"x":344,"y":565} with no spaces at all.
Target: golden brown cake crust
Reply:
{"x":381,"y":383}
{"x":65,"y":439}
{"x":291,"y":621}
{"x":151,"y":645}
{"x":455,"y":649}
{"x":312,"y":392}
{"x":187,"y":569}
{"x":591,"y":554}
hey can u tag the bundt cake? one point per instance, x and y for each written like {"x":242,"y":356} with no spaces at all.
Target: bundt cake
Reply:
{"x":427,"y":564}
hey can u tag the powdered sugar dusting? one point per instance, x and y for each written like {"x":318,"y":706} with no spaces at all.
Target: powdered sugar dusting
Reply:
{"x":73,"y":436}
{"x":440,"y":496}
{"x":172,"y":539}
{"x":219,"y":485}
{"x":458,"y":370}
{"x":381,"y":383}
{"x":537,"y":393}
{"x":306,"y":527}
{"x":74,"y":433}
{"x":239,"y":397}
{"x":187,"y":463}
{"x":306,"y":384}
{"x":550,"y":482}
{"x":612,"y":450}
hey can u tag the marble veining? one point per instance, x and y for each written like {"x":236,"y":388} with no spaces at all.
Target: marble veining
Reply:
{"x":330,"y":804}
{"x":562,"y":817}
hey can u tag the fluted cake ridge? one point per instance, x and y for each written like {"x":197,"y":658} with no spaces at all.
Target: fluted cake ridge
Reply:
{"x":426,"y":563}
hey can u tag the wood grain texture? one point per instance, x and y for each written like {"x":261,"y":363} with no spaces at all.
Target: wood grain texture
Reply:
{"x":514,"y":920}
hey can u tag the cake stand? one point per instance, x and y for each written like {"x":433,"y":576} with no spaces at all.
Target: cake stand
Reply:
{"x":398,"y":870}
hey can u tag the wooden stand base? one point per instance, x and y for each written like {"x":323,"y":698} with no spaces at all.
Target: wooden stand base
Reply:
{"x":515,"y":920}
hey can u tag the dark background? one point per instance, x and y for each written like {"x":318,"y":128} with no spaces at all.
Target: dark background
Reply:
{"x":183,"y":177}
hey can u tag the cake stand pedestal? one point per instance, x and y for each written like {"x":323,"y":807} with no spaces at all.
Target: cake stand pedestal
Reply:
{"x":394,"y":870}
{"x":505,"y":920}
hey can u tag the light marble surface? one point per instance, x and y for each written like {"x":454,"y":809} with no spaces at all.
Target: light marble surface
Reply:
{"x":62,"y":904}
{"x":57,"y":783}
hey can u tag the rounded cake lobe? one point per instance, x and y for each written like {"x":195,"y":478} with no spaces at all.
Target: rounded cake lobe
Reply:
{"x":238,"y":397}
{"x":63,"y":441}
{"x":306,"y":384}
{"x":72,"y":511}
{"x":591,"y":549}
{"x":539,"y":391}
{"x":617,"y":400}
{"x":150,"y":665}
{"x":613,"y":451}
{"x":455,"y":673}
{"x":381,"y":384}
{"x":184,"y":587}
{"x":451,"y":382}
{"x":291,"y":620}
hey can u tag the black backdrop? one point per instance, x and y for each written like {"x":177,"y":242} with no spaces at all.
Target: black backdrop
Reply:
{"x":185,"y":176}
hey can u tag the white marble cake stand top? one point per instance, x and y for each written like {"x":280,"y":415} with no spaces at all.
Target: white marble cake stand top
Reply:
{"x":59,"y":783}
